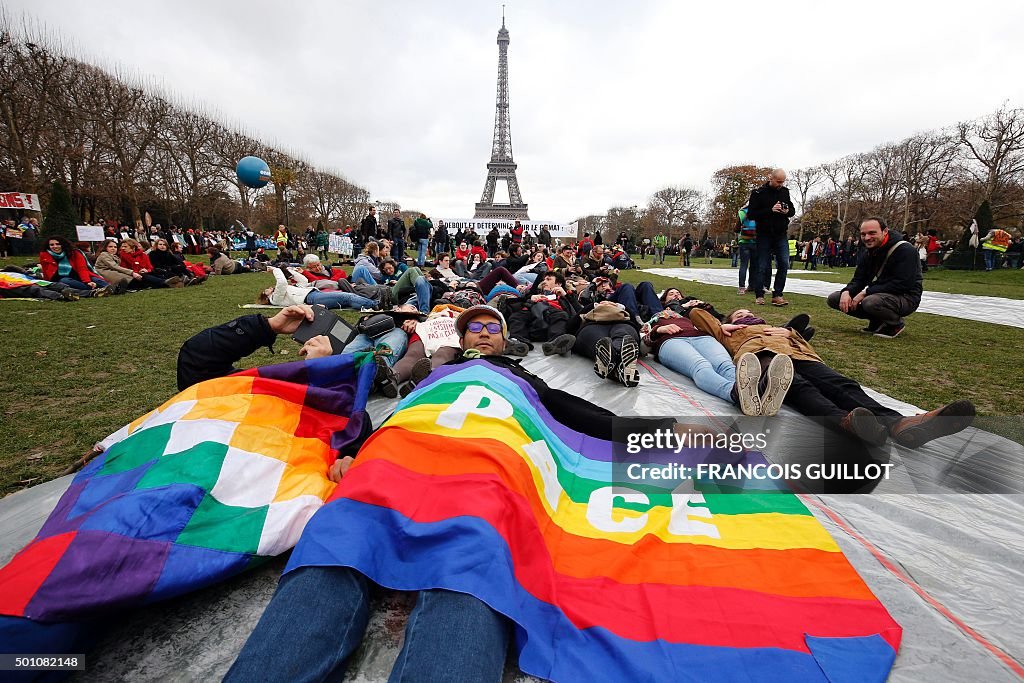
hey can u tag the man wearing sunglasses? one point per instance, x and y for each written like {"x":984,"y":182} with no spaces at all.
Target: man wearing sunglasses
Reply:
{"x":482,"y":329}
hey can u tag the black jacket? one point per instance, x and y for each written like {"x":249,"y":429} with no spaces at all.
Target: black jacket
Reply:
{"x":759,"y":209}
{"x":900,"y":275}
{"x":214,"y":351}
{"x":396,"y":228}
{"x":368,"y":228}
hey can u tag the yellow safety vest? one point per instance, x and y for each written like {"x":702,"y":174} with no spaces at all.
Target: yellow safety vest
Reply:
{"x":792,"y":248}
{"x":1000,"y":241}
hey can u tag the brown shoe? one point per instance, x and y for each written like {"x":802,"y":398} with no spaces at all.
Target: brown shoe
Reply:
{"x":759,"y":301}
{"x":779,"y":301}
{"x":862,"y":423}
{"x":917,"y":430}
{"x":174,"y":282}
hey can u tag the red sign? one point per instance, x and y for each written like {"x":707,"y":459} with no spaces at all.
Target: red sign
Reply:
{"x":19,"y":200}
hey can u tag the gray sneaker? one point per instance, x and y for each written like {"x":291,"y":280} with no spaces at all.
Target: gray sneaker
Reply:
{"x":603,"y":365}
{"x":514,"y":347}
{"x":420,"y":371}
{"x":748,"y":376}
{"x":628,"y":375}
{"x":560,"y":345}
{"x":779,"y":377}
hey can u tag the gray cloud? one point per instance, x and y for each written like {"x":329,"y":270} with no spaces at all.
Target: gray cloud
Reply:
{"x":609,"y":100}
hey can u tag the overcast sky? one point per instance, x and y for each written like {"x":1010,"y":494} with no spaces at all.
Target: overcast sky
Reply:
{"x":609,"y":100}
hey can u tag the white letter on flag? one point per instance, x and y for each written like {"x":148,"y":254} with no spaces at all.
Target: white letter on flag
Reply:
{"x":471,"y":400}
{"x":542,"y":459}
{"x":599,"y":509}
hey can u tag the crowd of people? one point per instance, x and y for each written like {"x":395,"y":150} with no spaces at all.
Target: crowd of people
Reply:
{"x":68,"y":272}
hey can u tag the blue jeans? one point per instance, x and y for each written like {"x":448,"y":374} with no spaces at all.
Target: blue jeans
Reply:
{"x":75,"y":283}
{"x":632,"y":297}
{"x":421,"y":255}
{"x":748,"y":257}
{"x":989,"y":254}
{"x":703,"y":360}
{"x":766,"y":248}
{"x":362,"y":274}
{"x":396,"y":340}
{"x":318,"y":617}
{"x":335,"y":299}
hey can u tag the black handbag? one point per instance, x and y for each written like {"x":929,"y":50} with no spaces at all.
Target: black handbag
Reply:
{"x":376,"y":325}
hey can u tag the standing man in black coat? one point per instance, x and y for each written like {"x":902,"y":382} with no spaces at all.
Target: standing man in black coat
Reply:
{"x":368,"y":228}
{"x":771,"y":208}
{"x":396,"y":233}
{"x":887,"y":283}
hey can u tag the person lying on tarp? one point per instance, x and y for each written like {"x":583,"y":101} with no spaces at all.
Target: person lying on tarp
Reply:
{"x":542,"y":314}
{"x":214,"y":351}
{"x":321,"y":612}
{"x":819,"y":391}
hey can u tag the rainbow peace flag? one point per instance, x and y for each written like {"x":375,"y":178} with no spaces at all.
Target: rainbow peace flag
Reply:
{"x":13,"y":280}
{"x":225,"y":473}
{"x":472,"y":486}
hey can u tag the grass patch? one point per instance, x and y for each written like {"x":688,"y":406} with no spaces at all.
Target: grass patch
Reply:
{"x":75,"y":372}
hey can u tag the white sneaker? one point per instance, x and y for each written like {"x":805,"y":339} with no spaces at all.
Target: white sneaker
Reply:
{"x":748,"y":376}
{"x":778,"y":377}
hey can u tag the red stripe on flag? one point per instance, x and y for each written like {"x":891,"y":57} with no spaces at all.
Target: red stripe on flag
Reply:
{"x":24,"y":574}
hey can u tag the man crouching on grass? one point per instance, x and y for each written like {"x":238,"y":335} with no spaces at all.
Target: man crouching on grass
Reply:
{"x":887,"y":283}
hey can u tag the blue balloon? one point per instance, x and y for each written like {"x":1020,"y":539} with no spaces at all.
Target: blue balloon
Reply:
{"x":253,"y":171}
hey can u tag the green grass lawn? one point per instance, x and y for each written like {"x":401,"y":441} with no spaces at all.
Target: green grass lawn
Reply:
{"x":75,"y":372}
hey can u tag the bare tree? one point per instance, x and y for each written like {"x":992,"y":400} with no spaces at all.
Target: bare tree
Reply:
{"x":805,"y":181}
{"x":846,"y":177}
{"x":675,"y":207}
{"x":996,"y":144}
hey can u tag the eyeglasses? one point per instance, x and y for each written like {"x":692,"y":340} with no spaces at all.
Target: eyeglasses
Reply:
{"x":476,"y":326}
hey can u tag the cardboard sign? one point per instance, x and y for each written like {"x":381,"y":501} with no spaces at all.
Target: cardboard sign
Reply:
{"x":90,"y":233}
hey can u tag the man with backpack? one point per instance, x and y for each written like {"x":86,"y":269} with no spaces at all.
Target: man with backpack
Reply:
{"x":746,"y":245}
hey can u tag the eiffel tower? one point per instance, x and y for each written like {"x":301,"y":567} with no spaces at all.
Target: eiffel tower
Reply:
{"x":501,"y":166}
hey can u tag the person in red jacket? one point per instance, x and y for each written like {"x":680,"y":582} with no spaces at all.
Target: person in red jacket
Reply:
{"x":132,"y":256}
{"x":62,"y":263}
{"x":314,"y":269}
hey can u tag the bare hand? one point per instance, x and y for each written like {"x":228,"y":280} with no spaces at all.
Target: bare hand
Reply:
{"x":136,"y":276}
{"x":92,"y":285}
{"x":669,"y":329}
{"x":855,"y":303}
{"x":409,"y":326}
{"x":777,"y":208}
{"x":778,"y":332}
{"x":844,"y":302}
{"x":317,"y":347}
{"x":289,"y":319}
{"x":339,"y":468}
